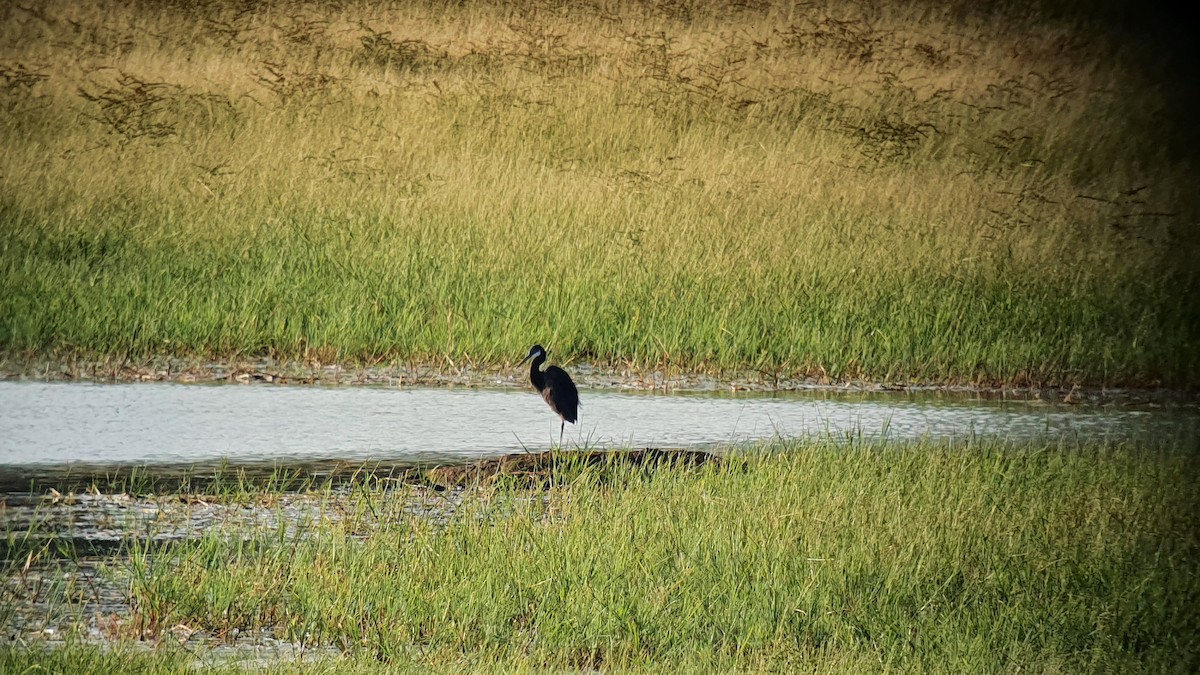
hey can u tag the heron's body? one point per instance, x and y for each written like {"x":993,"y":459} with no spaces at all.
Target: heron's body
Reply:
{"x":556,"y":388}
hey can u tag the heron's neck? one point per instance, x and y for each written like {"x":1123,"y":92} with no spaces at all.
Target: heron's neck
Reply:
{"x":536,"y":376}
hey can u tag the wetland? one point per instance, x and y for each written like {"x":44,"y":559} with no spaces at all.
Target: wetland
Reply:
{"x":884,"y":317}
{"x":121,"y":535}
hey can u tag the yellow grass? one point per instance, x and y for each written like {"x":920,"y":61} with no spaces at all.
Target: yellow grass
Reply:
{"x":891,"y":192}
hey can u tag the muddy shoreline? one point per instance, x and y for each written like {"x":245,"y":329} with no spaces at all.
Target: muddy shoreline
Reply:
{"x":624,"y":377}
{"x":23,"y":485}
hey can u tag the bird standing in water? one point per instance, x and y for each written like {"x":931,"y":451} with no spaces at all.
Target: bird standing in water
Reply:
{"x":556,"y":387}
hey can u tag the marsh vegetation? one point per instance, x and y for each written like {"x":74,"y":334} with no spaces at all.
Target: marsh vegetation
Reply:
{"x":845,"y":190}
{"x":893,"y":192}
{"x":935,"y":557}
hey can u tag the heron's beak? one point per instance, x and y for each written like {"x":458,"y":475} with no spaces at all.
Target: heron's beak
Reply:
{"x":527,"y":357}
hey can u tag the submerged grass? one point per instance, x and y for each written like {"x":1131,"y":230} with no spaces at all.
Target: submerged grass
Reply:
{"x":924,"y":557}
{"x":898,"y":192}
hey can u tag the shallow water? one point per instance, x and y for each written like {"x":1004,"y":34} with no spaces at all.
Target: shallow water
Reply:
{"x":102,"y":425}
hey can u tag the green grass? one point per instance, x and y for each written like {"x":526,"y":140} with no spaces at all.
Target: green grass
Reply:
{"x":843,"y":190}
{"x":84,"y":659}
{"x":926,"y":557}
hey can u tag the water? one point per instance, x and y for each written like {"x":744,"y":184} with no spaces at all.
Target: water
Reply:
{"x":104,"y":425}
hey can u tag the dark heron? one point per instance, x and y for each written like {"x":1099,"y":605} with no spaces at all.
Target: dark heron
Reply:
{"x":556,"y":387}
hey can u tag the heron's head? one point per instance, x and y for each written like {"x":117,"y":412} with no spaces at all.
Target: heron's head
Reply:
{"x":534,"y":352}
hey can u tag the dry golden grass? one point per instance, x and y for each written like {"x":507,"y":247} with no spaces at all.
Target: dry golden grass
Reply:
{"x":889,"y":192}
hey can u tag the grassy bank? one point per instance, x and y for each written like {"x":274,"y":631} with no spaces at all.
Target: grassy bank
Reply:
{"x":983,"y":557}
{"x":884,"y":191}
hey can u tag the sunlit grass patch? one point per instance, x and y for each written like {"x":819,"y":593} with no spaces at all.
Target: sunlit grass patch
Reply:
{"x":841,"y":191}
{"x":922,"y":556}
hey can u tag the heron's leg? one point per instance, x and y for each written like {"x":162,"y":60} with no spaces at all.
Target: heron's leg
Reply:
{"x":560,"y":433}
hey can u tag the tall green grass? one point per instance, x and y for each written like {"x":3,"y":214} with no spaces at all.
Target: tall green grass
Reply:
{"x":892,"y":192}
{"x":982,"y":557}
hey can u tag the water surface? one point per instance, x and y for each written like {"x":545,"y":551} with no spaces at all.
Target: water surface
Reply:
{"x":83,"y":424}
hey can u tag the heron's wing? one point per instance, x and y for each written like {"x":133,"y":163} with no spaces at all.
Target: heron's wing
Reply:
{"x":560,"y":379}
{"x":561,"y":394}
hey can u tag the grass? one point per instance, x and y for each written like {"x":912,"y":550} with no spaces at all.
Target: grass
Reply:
{"x":894,"y":192}
{"x":927,"y":557}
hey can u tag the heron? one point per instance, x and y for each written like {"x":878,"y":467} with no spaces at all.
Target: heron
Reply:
{"x":556,"y":388}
